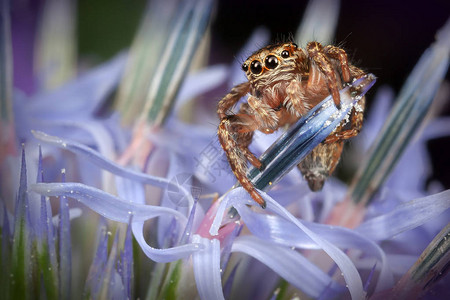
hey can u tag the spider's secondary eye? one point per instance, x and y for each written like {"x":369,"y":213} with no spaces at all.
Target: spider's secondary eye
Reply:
{"x":285,"y":54}
{"x":271,"y":62}
{"x":295,"y":45}
{"x":256,"y":67}
{"x":245,"y":67}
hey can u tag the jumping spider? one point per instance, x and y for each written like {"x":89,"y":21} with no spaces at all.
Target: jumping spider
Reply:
{"x":285,"y":82}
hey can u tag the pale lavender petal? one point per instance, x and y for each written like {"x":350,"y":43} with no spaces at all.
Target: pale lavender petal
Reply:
{"x":180,"y":177}
{"x":131,"y":190}
{"x":407,"y":184}
{"x":281,"y":231}
{"x":348,"y":269}
{"x":81,"y":98}
{"x":405,"y":217}
{"x":162,"y":255}
{"x":227,"y":244}
{"x":97,"y":134}
{"x":206,"y":264}
{"x":209,"y":78}
{"x":229,"y":283}
{"x":286,"y":262}
{"x":376,"y":117}
{"x":105,"y":204}
{"x":109,"y":165}
{"x":437,"y":128}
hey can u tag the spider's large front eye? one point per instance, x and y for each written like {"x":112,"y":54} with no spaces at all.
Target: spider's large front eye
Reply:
{"x":256,"y":67}
{"x":245,"y":67}
{"x":271,"y":61}
{"x":285,"y":54}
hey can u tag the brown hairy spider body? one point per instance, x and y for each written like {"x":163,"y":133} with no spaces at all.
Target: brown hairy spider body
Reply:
{"x":285,"y":82}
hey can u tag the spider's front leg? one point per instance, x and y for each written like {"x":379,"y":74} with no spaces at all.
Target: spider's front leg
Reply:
{"x":320,"y":56}
{"x":235,"y":134}
{"x":232,"y":98}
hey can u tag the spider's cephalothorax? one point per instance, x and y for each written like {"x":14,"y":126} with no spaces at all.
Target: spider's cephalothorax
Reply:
{"x":284,"y":82}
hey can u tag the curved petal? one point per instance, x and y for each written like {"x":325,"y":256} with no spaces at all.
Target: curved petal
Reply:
{"x":207,"y":270}
{"x":120,"y":210}
{"x":348,"y":269}
{"x":288,"y":263}
{"x":280,"y":231}
{"x":80,"y":98}
{"x":105,"y":204}
{"x":405,"y":217}
{"x":109,"y":165}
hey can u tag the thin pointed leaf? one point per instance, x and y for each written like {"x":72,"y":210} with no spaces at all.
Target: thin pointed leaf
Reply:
{"x":306,"y":134}
{"x":21,"y":255}
{"x":169,"y":289}
{"x":191,"y":24}
{"x":319,"y":22}
{"x":186,"y":236}
{"x":5,"y":255}
{"x":65,"y":252}
{"x":127,"y":261}
{"x":46,"y":254}
{"x":108,"y":283}
{"x":93,"y":281}
{"x":407,"y":116}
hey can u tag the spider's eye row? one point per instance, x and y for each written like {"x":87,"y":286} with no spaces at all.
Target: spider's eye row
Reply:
{"x":245,"y":67}
{"x":256,"y":67}
{"x":285,"y":54}
{"x":271,"y":62}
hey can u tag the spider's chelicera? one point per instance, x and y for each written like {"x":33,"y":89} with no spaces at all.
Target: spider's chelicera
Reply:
{"x":285,"y":82}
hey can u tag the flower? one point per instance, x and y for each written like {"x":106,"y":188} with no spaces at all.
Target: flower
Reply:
{"x":162,"y":182}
